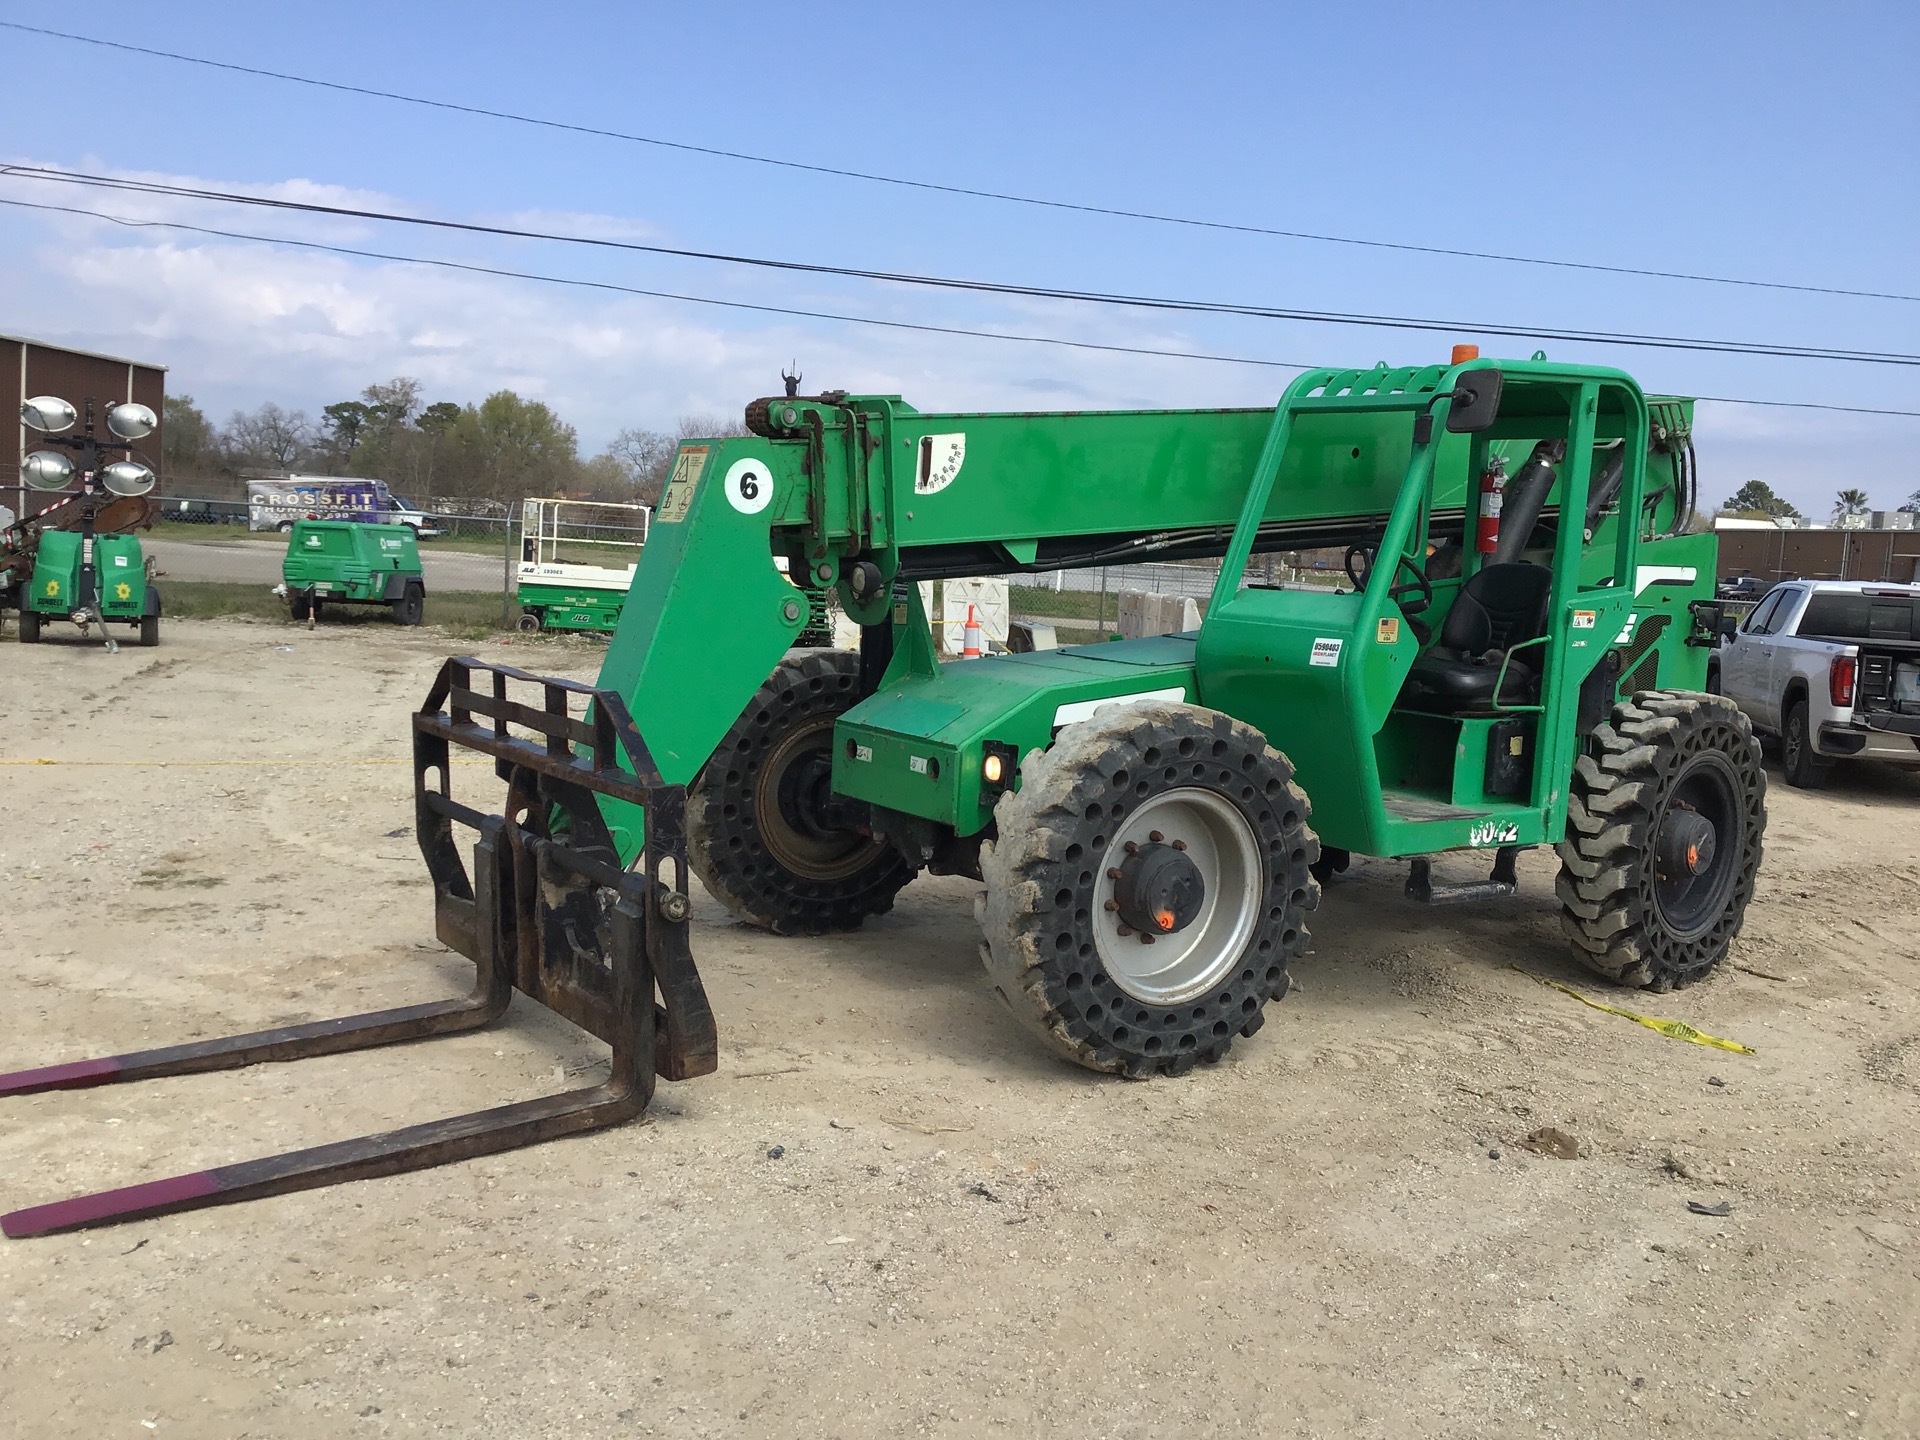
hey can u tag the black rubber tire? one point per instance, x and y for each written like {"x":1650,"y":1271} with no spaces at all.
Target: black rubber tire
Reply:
{"x":285,"y":527}
{"x":1713,"y":677}
{"x":149,"y":630}
{"x":1660,"y":753}
{"x":297,"y":602}
{"x":29,"y":627}
{"x":411,"y":607}
{"x":1042,"y":888}
{"x":528,"y":622}
{"x":1800,"y":764}
{"x":733,"y":811}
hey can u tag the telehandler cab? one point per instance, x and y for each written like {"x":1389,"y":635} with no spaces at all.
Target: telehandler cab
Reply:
{"x":1515,"y":663}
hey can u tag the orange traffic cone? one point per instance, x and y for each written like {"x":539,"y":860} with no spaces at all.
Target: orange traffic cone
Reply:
{"x":970,"y":638}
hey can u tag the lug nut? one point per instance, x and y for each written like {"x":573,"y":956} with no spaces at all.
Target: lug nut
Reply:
{"x":1123,"y":929}
{"x":1131,"y":848}
{"x":1179,"y":844}
{"x":1155,"y":836}
{"x":1113,"y":872}
{"x":1111,"y":905}
{"x":1145,"y":939}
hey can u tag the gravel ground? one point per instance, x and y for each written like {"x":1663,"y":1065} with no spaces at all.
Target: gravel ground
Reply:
{"x":1337,"y":1232}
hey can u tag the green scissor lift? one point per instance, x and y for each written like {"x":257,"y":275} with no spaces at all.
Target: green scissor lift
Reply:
{"x":577,"y":560}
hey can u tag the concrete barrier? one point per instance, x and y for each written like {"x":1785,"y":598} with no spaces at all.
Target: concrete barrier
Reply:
{"x":1143,"y":614}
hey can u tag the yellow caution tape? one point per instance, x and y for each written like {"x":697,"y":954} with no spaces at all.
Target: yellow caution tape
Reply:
{"x":1675,"y":1029}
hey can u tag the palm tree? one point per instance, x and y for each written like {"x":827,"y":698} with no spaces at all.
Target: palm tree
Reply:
{"x":1851,"y":502}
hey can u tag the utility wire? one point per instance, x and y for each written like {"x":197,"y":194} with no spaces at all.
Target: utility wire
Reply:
{"x":1292,"y":365}
{"x":938,"y":188}
{"x":1039,"y":292}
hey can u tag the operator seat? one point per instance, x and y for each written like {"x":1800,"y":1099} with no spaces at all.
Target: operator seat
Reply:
{"x":1500,"y":607}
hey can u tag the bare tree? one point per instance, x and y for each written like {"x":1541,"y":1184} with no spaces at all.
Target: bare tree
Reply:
{"x":269,"y":438}
{"x":643,"y":456}
{"x":647,"y":455}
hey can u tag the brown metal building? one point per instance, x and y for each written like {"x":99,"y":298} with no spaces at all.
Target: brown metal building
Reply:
{"x":34,"y":367}
{"x":1824,"y":554}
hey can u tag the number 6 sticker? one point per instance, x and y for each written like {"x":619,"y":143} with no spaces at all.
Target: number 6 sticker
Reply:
{"x":749,"y":486}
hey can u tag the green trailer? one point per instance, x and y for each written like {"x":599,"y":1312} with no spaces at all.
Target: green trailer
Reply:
{"x":341,"y":562}
{"x":89,"y":579}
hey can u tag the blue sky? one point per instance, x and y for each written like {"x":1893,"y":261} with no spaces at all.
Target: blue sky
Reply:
{"x":1740,"y":140}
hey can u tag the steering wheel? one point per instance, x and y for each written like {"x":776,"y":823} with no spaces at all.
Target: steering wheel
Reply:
{"x":1413,"y":595}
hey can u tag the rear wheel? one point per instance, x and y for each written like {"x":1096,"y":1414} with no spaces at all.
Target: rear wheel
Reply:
{"x":1148,"y":888}
{"x":1801,"y":763}
{"x":411,"y":606}
{"x":299,"y":604}
{"x":149,"y":630}
{"x":29,"y":627}
{"x":1664,"y":828}
{"x":764,"y":833}
{"x":529,"y":621}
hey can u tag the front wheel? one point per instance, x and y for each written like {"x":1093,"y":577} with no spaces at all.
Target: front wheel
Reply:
{"x":1801,"y":763}
{"x":764,"y":831}
{"x":149,"y":630}
{"x":1147,"y":889}
{"x":528,"y":622}
{"x":29,"y":627}
{"x":1664,"y":825}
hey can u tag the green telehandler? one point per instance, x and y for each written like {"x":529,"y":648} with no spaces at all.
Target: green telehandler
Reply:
{"x":1516,"y":661}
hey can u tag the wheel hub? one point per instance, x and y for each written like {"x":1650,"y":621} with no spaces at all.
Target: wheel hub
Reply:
{"x":1686,"y":846}
{"x":794,"y":806}
{"x":1184,"y":883}
{"x":1160,"y":891}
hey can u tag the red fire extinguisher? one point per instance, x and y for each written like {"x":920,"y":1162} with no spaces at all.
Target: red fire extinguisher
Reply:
{"x":1493,"y":488}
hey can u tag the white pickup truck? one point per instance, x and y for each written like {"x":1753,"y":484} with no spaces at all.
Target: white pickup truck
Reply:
{"x":1832,"y":667}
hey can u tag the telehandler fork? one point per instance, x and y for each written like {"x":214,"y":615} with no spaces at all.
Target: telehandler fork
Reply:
{"x":547,"y":910}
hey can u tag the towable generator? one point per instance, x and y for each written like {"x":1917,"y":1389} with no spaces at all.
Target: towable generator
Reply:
{"x":1516,"y":661}
{"x":343,"y":562}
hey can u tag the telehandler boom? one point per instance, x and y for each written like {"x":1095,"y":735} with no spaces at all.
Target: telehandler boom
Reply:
{"x":1515,"y":662}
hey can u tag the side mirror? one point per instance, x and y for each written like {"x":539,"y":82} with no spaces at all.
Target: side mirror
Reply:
{"x":1476,"y":401}
{"x":1729,"y":625}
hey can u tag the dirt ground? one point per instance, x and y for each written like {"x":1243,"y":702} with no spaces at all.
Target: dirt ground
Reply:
{"x":1335,"y":1233}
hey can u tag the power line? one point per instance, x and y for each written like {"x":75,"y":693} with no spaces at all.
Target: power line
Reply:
{"x":1292,"y":365}
{"x":939,"y":188}
{"x":1040,"y":292}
